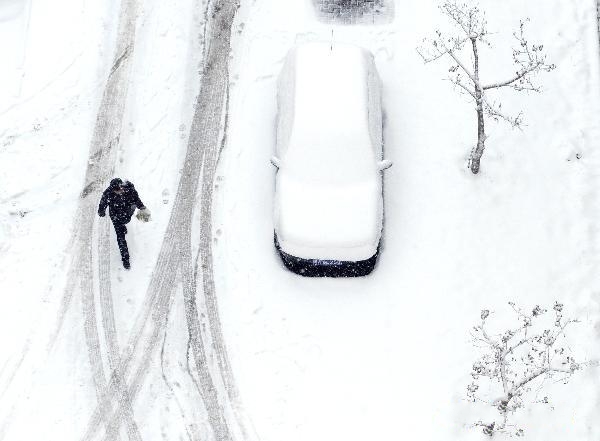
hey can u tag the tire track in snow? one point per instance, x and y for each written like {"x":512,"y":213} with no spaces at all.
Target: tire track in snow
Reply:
{"x":204,"y":136}
{"x":208,"y":282}
{"x":190,"y":427}
{"x":208,"y":131}
{"x":205,"y":382}
{"x":156,"y":306}
{"x":110,"y":329}
{"x":90,"y":323}
{"x":210,"y":162}
{"x":211,"y":130}
{"x":105,"y":140}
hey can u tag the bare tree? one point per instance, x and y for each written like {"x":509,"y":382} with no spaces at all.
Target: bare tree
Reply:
{"x":516,"y":362}
{"x":470,"y":30}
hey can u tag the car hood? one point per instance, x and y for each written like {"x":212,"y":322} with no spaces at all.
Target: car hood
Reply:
{"x":328,"y":222}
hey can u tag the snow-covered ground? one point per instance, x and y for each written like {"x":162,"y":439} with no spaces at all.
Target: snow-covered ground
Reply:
{"x":49,"y":109}
{"x":50,"y":86}
{"x":387,"y":356}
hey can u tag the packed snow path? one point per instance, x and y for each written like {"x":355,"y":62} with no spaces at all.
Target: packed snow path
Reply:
{"x":115,"y":394}
{"x":101,"y":167}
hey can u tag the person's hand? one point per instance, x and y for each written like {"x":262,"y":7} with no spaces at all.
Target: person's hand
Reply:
{"x":143,"y":215}
{"x":101,"y":213}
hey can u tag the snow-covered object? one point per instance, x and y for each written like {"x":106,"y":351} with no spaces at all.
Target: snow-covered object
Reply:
{"x":143,"y":215}
{"x":328,"y":197}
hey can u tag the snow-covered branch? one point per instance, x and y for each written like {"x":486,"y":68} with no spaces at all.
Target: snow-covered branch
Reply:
{"x":518,"y":359}
{"x":468,"y":18}
{"x":457,"y":82}
{"x":494,"y":111}
{"x":530,"y":59}
{"x":470,"y":25}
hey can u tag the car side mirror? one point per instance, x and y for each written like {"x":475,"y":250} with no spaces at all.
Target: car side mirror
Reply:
{"x":384,"y":165}
{"x":275,"y":161}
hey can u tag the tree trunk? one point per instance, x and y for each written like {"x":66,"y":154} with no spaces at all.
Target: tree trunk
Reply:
{"x":476,"y":154}
{"x":475,"y":159}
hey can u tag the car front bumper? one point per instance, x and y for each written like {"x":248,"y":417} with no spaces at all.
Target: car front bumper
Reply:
{"x":327,"y":268}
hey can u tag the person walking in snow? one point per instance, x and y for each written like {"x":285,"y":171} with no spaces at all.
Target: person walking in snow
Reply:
{"x":122,"y":199}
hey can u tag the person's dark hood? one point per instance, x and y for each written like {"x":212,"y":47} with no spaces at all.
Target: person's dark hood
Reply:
{"x":115,"y":183}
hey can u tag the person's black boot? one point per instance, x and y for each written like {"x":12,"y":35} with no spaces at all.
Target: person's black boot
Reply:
{"x":126,"y":264}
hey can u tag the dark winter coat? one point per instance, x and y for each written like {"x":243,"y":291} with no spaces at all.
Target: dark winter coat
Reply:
{"x":120,"y":206}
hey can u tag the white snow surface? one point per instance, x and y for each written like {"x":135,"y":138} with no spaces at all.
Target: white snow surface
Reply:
{"x":328,"y":196}
{"x":383,"y":357}
{"x":47,"y":115}
{"x":388,"y":356}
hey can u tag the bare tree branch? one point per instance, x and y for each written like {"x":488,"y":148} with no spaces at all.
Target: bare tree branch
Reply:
{"x":457,"y":82}
{"x":436,"y":48}
{"x":529,"y":59}
{"x":470,"y":74}
{"x":541,"y":355}
{"x":470,"y":25}
{"x":494,"y":111}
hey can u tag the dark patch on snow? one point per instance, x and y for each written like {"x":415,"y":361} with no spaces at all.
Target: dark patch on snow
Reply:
{"x":88,"y":189}
{"x":355,"y":11}
{"x":120,"y":60}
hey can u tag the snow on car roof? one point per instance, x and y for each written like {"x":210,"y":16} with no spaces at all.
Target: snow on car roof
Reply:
{"x":330,"y":129}
{"x":328,"y":200}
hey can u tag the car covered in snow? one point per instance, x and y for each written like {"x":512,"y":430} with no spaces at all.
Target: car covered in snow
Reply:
{"x":328,"y":204}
